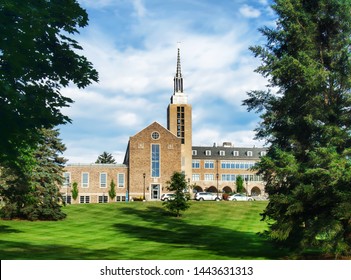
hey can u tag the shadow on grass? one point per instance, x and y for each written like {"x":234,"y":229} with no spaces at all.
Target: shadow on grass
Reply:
{"x":7,"y":229}
{"x":10,"y":250}
{"x":177,"y":233}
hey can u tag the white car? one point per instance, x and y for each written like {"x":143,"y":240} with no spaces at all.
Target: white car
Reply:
{"x":240,"y":197}
{"x":206,"y":196}
{"x":167,"y":196}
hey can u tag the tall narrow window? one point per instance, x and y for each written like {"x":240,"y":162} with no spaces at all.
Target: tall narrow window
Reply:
{"x":66,"y":179}
{"x":180,"y":122}
{"x":120,"y":180}
{"x":155,"y":160}
{"x":85,"y":179}
{"x":103,"y":180}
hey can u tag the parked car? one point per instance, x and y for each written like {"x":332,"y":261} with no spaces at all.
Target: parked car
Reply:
{"x":206,"y":196}
{"x":167,"y":196}
{"x":240,"y":197}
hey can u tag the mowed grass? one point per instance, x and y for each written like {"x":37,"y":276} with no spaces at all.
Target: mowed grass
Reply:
{"x":142,"y":230}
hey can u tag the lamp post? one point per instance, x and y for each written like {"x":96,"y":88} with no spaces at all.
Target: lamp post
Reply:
{"x":144,"y":186}
{"x":217,"y":176}
{"x":247,"y":185}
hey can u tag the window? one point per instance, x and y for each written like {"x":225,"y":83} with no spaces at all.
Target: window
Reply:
{"x":209,"y":164}
{"x":263,"y":153}
{"x":222,"y":153}
{"x":67,"y":199}
{"x":209,"y":177}
{"x":228,"y":177}
{"x":155,"y":160}
{"x":103,"y":199}
{"x":120,"y":198}
{"x":196,"y":164}
{"x":249,"y":153}
{"x":194,"y":152}
{"x":66,"y":179}
{"x":155,"y":135}
{"x":120,"y":180}
{"x":236,"y":153}
{"x":207,"y":152}
{"x":180,"y":122}
{"x":85,"y":180}
{"x":84,"y":199}
{"x":196,"y":177}
{"x":103,"y":180}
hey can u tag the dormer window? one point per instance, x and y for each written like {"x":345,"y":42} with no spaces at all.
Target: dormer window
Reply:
{"x":263,"y":153}
{"x":222,"y":153}
{"x":208,"y":152}
{"x":249,"y":153}
{"x":194,"y":152}
{"x":236,"y":153}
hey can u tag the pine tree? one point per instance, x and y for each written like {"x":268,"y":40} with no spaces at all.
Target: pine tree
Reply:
{"x":31,"y":190}
{"x":306,"y":120}
{"x":179,"y":202}
{"x":106,"y":158}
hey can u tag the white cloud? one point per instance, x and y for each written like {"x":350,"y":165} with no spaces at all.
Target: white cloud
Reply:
{"x":136,"y":80}
{"x":139,"y":8}
{"x":249,"y":12}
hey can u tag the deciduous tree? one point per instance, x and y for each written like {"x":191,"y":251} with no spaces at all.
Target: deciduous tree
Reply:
{"x":37,"y":59}
{"x":179,"y":202}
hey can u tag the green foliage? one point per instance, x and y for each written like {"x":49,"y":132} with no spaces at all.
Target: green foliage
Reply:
{"x":306,"y":121}
{"x":37,"y":59}
{"x":105,"y":158}
{"x":112,"y":191}
{"x":75,"y":191}
{"x":179,"y":203}
{"x":239,"y":184}
{"x":29,"y":186}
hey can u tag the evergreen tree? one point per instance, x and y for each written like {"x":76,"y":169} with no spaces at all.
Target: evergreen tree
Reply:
{"x":75,"y":191}
{"x":112,"y":191}
{"x":179,"y":202}
{"x":306,"y":121}
{"x":37,"y":59}
{"x":239,"y":184}
{"x":105,"y":158}
{"x":31,"y":190}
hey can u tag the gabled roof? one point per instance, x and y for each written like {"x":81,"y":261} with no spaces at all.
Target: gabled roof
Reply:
{"x":156,"y":126}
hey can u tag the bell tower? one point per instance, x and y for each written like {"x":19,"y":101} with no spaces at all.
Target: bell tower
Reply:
{"x":179,"y":120}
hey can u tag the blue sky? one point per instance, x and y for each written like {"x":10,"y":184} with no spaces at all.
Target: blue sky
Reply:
{"x":133,"y":45}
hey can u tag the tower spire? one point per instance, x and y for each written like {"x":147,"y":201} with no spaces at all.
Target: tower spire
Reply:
{"x":178,"y":80}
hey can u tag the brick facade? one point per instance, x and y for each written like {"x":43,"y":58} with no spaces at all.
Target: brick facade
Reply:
{"x":139,"y":159}
{"x":155,"y":153}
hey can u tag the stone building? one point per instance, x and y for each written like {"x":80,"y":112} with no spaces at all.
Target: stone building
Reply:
{"x":156,"y":152}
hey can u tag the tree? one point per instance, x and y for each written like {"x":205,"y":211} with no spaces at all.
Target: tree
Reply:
{"x":37,"y":59}
{"x":30,"y":191}
{"x":112,"y":191}
{"x":105,"y":158}
{"x":179,"y":202}
{"x":239,"y":184}
{"x":306,"y":120}
{"x":75,"y":191}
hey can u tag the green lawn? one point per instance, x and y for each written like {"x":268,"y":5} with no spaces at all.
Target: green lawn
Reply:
{"x":142,"y":230}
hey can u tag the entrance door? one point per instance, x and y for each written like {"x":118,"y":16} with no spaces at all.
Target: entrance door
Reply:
{"x":155,"y":191}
